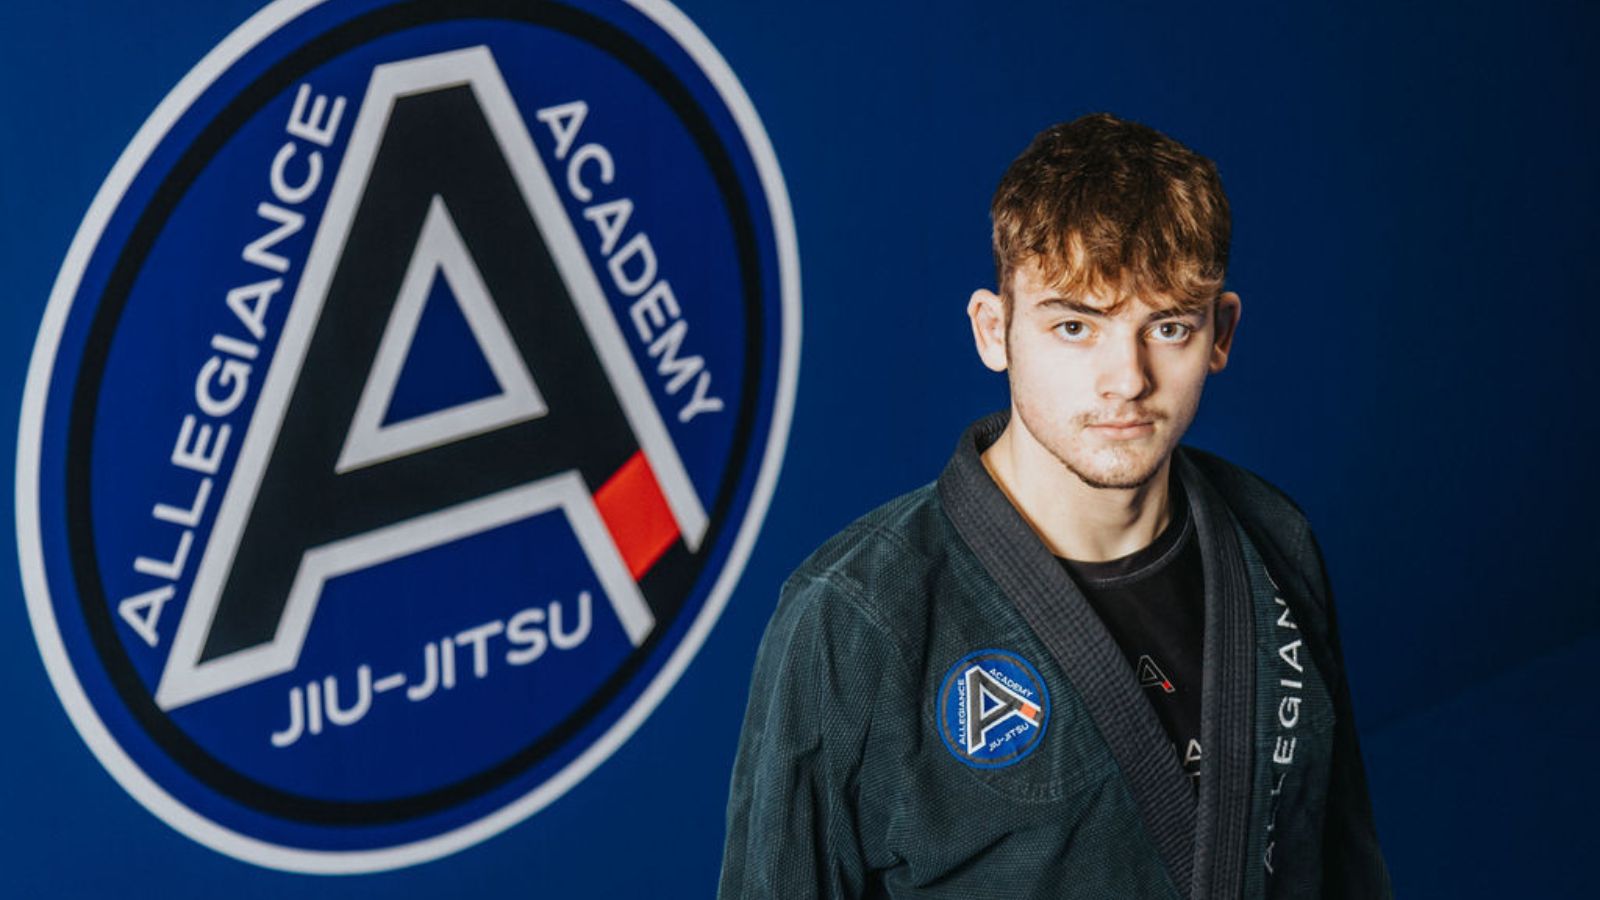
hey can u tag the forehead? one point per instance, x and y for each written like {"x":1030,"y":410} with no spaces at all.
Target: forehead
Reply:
{"x":1031,"y":293}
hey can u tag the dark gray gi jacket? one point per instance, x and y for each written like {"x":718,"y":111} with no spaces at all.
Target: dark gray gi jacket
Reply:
{"x":843,"y":786}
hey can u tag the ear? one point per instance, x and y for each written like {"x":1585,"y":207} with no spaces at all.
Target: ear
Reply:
{"x":988,"y":315}
{"x":1226,"y":315}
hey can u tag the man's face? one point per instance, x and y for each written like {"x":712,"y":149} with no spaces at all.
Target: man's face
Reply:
{"x":1109,"y":390}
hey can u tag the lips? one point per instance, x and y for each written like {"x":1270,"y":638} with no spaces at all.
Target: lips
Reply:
{"x":1130,"y":428}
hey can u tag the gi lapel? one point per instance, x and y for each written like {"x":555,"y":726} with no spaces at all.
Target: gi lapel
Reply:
{"x":1227,"y":694}
{"x":1062,"y":619}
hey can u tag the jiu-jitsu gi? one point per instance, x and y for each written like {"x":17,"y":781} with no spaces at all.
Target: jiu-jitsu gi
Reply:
{"x":936,"y":711}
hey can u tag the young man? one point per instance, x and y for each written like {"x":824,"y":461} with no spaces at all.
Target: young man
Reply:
{"x":1086,"y":662}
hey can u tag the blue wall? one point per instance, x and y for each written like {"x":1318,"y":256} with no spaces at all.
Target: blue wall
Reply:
{"x":1413,"y":195}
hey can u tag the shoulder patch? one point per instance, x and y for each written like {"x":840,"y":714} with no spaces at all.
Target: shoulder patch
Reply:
{"x":993,"y":708}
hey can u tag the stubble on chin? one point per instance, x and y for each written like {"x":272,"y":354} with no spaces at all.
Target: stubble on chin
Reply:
{"x":1126,"y":469}
{"x":1118,"y":478}
{"x":1123,"y":468}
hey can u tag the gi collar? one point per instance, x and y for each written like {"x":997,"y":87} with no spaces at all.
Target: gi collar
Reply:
{"x":1203,"y":847}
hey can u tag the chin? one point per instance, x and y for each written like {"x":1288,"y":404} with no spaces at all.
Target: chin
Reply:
{"x":1122,"y":471}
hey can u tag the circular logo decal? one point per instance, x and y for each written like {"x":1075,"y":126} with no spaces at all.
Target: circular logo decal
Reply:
{"x":993,"y":708}
{"x":402,"y":417}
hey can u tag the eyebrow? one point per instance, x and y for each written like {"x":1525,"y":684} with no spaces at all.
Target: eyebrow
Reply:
{"x":1078,"y":306}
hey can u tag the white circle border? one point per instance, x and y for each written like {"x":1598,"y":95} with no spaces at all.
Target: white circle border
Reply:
{"x":29,"y":435}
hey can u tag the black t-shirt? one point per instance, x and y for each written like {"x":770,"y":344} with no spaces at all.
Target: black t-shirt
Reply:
{"x":1153,"y":603}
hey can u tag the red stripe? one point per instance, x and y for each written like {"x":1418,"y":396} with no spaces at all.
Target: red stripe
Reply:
{"x":637,"y":515}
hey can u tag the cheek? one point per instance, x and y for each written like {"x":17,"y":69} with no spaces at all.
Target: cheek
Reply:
{"x":1053,"y":391}
{"x":1184,"y":371}
{"x":1051,"y":399}
{"x":1183,"y":380}
{"x":1043,"y":367}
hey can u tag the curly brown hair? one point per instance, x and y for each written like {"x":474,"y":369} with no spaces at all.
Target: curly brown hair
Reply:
{"x":1114,"y":209}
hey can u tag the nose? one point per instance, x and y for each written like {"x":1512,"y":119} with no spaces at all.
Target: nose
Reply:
{"x":1124,"y":371}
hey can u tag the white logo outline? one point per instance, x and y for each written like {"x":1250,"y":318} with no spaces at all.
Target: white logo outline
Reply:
{"x":440,"y":253}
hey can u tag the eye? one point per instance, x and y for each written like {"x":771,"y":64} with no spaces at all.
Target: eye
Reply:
{"x":1072,"y":330}
{"x":1171,"y":332}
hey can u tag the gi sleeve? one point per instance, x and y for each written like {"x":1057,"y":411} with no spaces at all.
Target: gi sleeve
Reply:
{"x":793,"y":824}
{"x":1352,"y":862}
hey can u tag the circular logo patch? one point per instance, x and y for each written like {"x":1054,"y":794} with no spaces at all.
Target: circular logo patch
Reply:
{"x":402,"y":417}
{"x":993,"y":708}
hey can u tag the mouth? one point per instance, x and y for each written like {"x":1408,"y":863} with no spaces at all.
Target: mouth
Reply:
{"x":1124,"y":429}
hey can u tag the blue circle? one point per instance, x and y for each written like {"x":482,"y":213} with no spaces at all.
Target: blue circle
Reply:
{"x":993,"y":708}
{"x":402,"y":721}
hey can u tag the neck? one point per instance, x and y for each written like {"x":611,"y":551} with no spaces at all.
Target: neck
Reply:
{"x":1076,"y":521}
